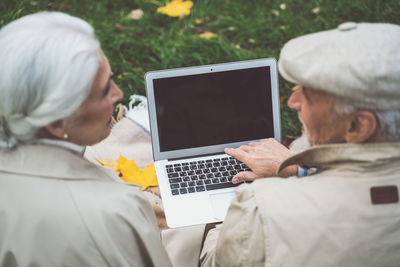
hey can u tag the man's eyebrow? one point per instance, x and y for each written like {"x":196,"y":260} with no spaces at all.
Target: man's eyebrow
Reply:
{"x":306,"y":93}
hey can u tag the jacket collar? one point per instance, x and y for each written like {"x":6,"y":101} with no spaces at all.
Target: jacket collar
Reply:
{"x":51,"y":161}
{"x":327,"y":156}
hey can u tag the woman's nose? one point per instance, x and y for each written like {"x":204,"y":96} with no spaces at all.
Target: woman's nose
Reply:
{"x":117,"y":93}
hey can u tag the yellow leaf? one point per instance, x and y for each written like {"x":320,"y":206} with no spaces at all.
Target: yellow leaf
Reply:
{"x":207,"y":35}
{"x":109,"y":163}
{"x":131,"y":173}
{"x":176,"y":8}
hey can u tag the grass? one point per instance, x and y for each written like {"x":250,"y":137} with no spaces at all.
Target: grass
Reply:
{"x":246,"y":29}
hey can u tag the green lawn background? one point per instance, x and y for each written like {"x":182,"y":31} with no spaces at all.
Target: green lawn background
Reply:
{"x":246,"y":29}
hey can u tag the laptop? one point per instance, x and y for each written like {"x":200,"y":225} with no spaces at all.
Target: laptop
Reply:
{"x":195,"y":113}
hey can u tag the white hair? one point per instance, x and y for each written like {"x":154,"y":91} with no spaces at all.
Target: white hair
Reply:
{"x":389,"y":120}
{"x":49,"y":61}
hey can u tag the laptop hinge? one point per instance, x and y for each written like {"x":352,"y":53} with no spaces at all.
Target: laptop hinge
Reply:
{"x":197,"y":156}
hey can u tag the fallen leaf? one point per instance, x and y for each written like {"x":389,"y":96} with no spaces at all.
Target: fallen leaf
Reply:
{"x":136,"y":14}
{"x":120,"y":27}
{"x":109,"y":163}
{"x":176,"y":8}
{"x":132,"y":174}
{"x":207,"y":35}
{"x":129,"y":172}
{"x":316,"y":10}
{"x":275,"y":12}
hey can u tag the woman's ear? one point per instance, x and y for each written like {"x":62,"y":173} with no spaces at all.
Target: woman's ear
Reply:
{"x":362,"y":126}
{"x":55,"y":130}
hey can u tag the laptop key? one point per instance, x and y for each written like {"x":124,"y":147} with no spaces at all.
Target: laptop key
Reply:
{"x":210,"y":175}
{"x":183,"y":191}
{"x":202,"y":176}
{"x":216,"y":164}
{"x":191,"y":183}
{"x":191,"y":190}
{"x":215,"y":180}
{"x":174,"y":186}
{"x":200,"y":188}
{"x":173,"y":175}
{"x":183,"y":184}
{"x":206,"y":171}
{"x":223,"y":180}
{"x":175,"y":192}
{"x":220,"y":186}
{"x":185,"y":168}
{"x":170,"y":170}
{"x":175,"y":180}
{"x":237,"y":167}
{"x":182,"y":174}
{"x":200,"y":182}
{"x":194,"y":177}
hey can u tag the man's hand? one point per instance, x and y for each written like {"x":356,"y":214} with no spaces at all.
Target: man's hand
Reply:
{"x":263,"y":158}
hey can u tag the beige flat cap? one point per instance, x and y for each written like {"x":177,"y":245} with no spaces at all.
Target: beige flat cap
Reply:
{"x":359,"y":62}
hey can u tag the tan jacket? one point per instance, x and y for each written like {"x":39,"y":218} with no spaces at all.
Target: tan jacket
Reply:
{"x":58,"y":209}
{"x":326,"y":219}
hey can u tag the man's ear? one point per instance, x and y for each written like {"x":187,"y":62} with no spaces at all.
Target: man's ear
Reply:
{"x":56,"y":129}
{"x":362,"y":126}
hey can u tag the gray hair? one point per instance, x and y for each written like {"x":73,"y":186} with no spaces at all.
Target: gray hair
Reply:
{"x":49,"y":63}
{"x":389,"y":120}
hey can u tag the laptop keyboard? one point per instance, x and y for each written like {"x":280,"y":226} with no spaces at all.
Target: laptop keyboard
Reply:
{"x":203,"y":175}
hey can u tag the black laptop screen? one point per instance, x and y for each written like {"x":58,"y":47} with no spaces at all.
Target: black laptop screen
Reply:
{"x":213,"y":108}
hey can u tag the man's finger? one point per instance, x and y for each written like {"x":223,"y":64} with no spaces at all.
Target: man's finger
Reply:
{"x":244,"y":176}
{"x":236,"y":153}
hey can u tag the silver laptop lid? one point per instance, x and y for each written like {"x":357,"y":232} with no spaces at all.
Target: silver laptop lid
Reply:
{"x":202,"y":110}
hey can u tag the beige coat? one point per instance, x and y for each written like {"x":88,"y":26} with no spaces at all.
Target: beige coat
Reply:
{"x":326,"y":219}
{"x":58,"y":209}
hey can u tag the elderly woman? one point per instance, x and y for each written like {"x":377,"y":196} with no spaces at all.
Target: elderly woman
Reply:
{"x":56,"y":208}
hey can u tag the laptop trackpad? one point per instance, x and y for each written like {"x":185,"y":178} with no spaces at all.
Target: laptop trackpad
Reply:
{"x":220,"y":203}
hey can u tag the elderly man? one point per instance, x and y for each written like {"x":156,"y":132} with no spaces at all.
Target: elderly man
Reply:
{"x":347,"y":212}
